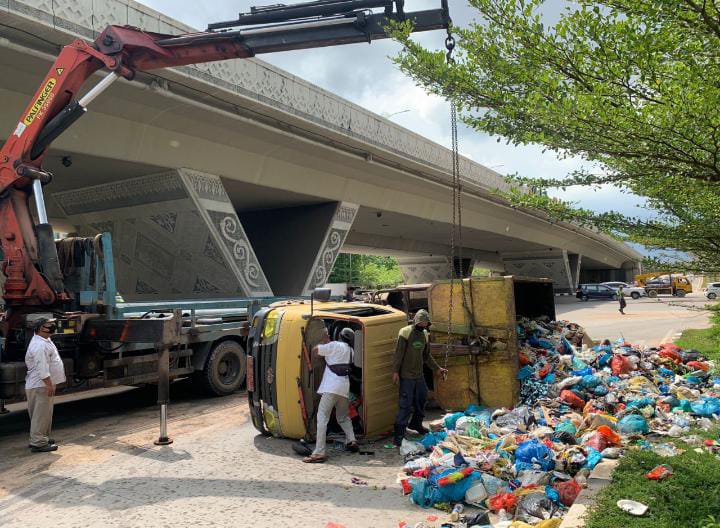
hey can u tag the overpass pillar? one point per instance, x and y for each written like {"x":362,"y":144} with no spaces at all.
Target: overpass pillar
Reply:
{"x":298,"y":246}
{"x":425,"y":269}
{"x":574,"y":263}
{"x":175,"y":236}
{"x":558,"y":268}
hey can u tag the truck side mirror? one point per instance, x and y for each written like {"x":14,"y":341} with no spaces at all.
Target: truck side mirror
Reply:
{"x":321,"y":294}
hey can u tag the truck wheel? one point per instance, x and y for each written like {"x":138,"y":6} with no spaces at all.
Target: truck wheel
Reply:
{"x":225,"y":368}
{"x":680,"y":293}
{"x":712,"y":296}
{"x":652,"y":293}
{"x":635,"y":295}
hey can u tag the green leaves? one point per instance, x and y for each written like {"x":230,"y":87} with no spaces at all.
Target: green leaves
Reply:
{"x":630,"y":85}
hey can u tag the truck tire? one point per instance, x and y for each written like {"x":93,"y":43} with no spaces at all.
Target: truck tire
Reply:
{"x":681,"y":293}
{"x":712,"y":296}
{"x":635,"y":295}
{"x":652,"y":293}
{"x":225,"y":369}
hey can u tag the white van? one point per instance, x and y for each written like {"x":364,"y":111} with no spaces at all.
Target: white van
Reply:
{"x":713,"y":290}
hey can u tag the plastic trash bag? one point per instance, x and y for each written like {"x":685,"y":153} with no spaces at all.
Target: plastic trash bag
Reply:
{"x":408,"y":448}
{"x":476,"y":493}
{"x":590,"y":381}
{"x":535,"y":507}
{"x":660,"y":472}
{"x":620,"y":365}
{"x":566,"y":426}
{"x":451,"y":419}
{"x":493,"y":485}
{"x":573,"y":400}
{"x":568,"y":491}
{"x":633,"y":424}
{"x":569,"y":382}
{"x":610,"y":436}
{"x":593,"y":458}
{"x":534,"y":452}
{"x":430,"y":440}
{"x":706,"y":406}
{"x":596,"y":441}
{"x":502,"y":501}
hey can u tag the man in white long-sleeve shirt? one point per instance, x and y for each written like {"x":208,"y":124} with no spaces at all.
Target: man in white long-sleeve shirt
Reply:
{"x":44,"y":372}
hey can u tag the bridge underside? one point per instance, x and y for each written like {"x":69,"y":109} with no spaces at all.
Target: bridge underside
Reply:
{"x":180,"y":233}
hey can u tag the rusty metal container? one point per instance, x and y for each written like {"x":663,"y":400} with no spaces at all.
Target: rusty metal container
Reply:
{"x":483,"y":357}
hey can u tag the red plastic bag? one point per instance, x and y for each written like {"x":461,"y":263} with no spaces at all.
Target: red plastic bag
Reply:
{"x":660,"y":472}
{"x":572,"y":399}
{"x":620,"y":365}
{"x":672,"y":355}
{"x":609,"y":435}
{"x":502,"y":501}
{"x":670,"y":346}
{"x":544,"y":371}
{"x":697,"y":365}
{"x":568,"y":491}
{"x":597,"y":442}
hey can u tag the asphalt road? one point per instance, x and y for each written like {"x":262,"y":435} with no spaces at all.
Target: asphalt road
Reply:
{"x":647,"y":321}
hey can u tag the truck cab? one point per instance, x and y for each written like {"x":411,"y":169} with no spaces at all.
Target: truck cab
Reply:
{"x":283,"y":375}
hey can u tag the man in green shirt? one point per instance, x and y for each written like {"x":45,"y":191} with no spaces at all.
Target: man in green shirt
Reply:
{"x":411,"y":354}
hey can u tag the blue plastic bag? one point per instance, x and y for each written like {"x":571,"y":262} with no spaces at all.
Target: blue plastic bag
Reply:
{"x":706,"y":406}
{"x":665,"y":373}
{"x":633,"y":424}
{"x":593,"y":457}
{"x":525,"y":373}
{"x":583,"y":372}
{"x":451,"y":420}
{"x":566,"y":426}
{"x":552,"y":494}
{"x":534,"y":452}
{"x":432,"y":439}
{"x":642,"y":402}
{"x":600,"y":390}
{"x":590,"y":381}
{"x":605,"y":359}
{"x":578,"y":364}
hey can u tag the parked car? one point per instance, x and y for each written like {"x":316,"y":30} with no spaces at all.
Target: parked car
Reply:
{"x":633,"y":291}
{"x":713,"y":290}
{"x":595,"y":291}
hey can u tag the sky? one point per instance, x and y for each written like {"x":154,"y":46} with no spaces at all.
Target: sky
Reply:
{"x":365,"y":75}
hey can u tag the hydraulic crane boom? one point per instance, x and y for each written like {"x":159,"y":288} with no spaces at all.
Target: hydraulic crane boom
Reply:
{"x":33,"y":275}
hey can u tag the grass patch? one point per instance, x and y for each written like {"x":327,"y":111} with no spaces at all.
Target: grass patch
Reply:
{"x":688,"y":499}
{"x":706,"y":341}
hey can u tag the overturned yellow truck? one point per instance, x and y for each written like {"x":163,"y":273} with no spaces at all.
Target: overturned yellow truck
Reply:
{"x":283,"y":376}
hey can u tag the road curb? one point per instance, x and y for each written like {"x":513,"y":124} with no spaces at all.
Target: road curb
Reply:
{"x":600,"y":477}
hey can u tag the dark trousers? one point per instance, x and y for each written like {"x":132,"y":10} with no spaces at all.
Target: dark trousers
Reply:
{"x":413,"y":396}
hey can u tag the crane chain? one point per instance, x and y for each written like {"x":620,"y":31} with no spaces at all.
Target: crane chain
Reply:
{"x":456,"y":228}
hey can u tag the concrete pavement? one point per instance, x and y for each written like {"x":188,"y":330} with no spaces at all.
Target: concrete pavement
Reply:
{"x":647,"y":321}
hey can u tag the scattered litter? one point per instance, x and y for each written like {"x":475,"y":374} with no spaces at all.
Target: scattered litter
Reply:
{"x":358,"y":481}
{"x":578,"y":405}
{"x":632,"y":507}
{"x":660,"y":472}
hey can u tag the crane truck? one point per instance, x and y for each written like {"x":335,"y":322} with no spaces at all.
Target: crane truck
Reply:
{"x":103,"y":342}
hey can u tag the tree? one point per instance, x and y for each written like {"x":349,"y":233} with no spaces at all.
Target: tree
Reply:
{"x":629,"y":85}
{"x":366,"y":271}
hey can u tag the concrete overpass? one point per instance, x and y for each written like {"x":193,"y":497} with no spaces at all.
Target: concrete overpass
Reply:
{"x":237,"y":178}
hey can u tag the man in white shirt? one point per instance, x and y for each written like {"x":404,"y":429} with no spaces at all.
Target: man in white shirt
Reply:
{"x":45,"y":371}
{"x":334,"y":390}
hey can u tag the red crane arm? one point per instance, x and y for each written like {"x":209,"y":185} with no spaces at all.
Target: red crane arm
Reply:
{"x":33,"y":276}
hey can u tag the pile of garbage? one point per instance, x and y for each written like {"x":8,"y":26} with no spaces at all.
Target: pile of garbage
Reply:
{"x":578,"y":405}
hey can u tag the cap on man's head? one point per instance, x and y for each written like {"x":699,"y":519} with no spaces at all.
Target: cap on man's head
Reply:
{"x":422,"y":316}
{"x":40,"y":322}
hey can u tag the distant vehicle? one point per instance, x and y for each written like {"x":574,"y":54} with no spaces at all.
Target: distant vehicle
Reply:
{"x":633,"y":291}
{"x":675,"y":284}
{"x":713,"y":290}
{"x":585,"y":292}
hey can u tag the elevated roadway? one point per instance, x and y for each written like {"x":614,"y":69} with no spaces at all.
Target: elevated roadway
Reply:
{"x":237,"y":178}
